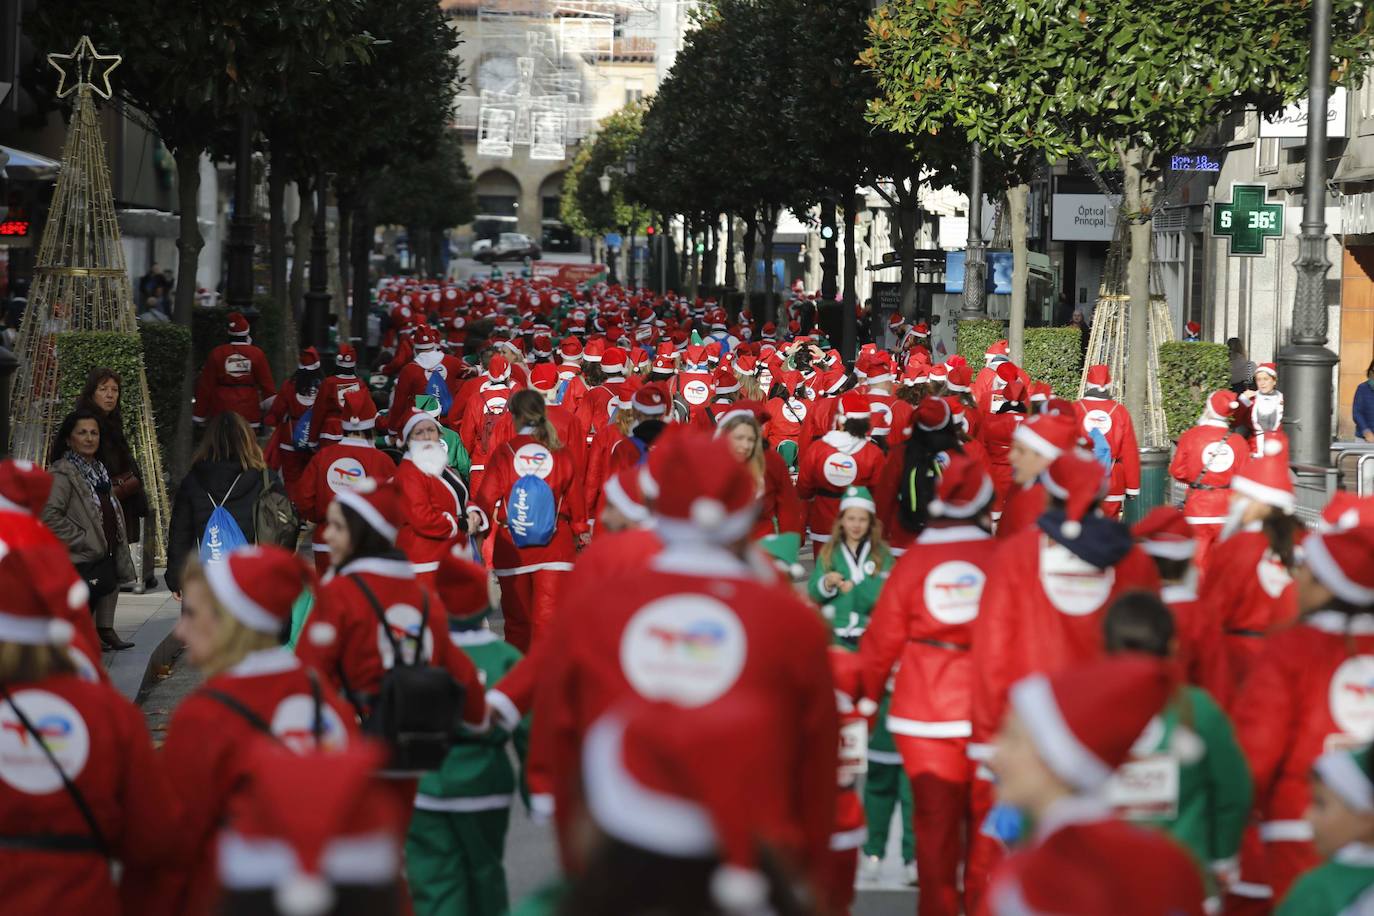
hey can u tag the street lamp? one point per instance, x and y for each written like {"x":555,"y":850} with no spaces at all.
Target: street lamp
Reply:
{"x":604,"y":181}
{"x":975,"y":255}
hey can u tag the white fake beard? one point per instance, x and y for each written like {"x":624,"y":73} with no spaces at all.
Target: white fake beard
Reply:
{"x":1234,"y":514}
{"x":430,"y":457}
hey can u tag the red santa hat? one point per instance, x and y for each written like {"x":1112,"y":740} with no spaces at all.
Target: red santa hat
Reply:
{"x":1098,"y":376}
{"x":1014,"y":392}
{"x":651,"y":400}
{"x":498,"y":368}
{"x":881,"y":369}
{"x":1266,"y":480}
{"x":745,"y":364}
{"x":542,"y":346}
{"x":426,"y":338}
{"x":725,"y":381}
{"x":698,"y":490}
{"x":932,"y":414}
{"x":963,"y":490}
{"x":570,"y":350}
{"x":1165,"y":533}
{"x":359,"y":410}
{"x":770,"y":330}
{"x":1268,"y":369}
{"x":332,"y":429}
{"x":689,"y":783}
{"x":853,"y":406}
{"x":1084,"y":720}
{"x":999,"y":351}
{"x":24,"y":487}
{"x":414,"y":417}
{"x":1339,"y":560}
{"x":939,"y":372}
{"x":462,"y":584}
{"x":347,"y":357}
{"x":258,"y":585}
{"x":623,"y":492}
{"x":1220,"y":405}
{"x":1006,"y":373}
{"x":309,"y":825}
{"x":309,"y":359}
{"x":1040,"y":392}
{"x":378,"y":504}
{"x":238,"y":325}
{"x":1344,"y":511}
{"x":594,"y":350}
{"x":26,"y":608}
{"x":921,"y":331}
{"x":1077,"y":480}
{"x":1193,"y":328}
{"x":957,"y":414}
{"x":959,"y":379}
{"x":613,"y":361}
{"x":544,"y":377}
{"x":1048,"y":435}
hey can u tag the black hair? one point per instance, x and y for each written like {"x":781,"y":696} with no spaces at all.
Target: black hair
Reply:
{"x":920,"y":470}
{"x":64,"y":432}
{"x":1138,"y":622}
{"x":1282,"y":532}
{"x":593,"y":374}
{"x":307,"y":380}
{"x":366,"y":540}
{"x":858,"y":427}
{"x":1172,"y":570}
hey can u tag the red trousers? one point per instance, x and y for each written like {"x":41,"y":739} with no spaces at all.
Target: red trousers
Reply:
{"x":1204,"y":536}
{"x":527,"y":602}
{"x":841,"y":865}
{"x":939,"y":771}
{"x":1111,"y":509}
{"x":985,"y":853}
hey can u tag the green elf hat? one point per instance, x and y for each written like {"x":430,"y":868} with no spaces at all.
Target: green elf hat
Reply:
{"x":427,"y":403}
{"x":784,"y":548}
{"x":1347,"y":774}
{"x":696,"y":339}
{"x":858,"y":498}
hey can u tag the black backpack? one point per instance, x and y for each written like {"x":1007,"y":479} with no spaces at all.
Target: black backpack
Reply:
{"x":418,"y":709}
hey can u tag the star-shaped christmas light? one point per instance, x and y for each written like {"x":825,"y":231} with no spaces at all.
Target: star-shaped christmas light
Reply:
{"x":86,"y":66}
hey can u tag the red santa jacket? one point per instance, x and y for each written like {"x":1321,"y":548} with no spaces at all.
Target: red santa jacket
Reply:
{"x":697,"y":389}
{"x":995,"y":433}
{"x":102,"y":743}
{"x":344,"y":640}
{"x":571,"y":433}
{"x":1310,"y":690}
{"x":1113,"y":420}
{"x":697,"y":625}
{"x":235,"y":378}
{"x":594,"y":408}
{"x":1041,"y":611}
{"x":480,"y":422}
{"x":785,"y":419}
{"x":572,"y":395}
{"x":329,"y":402}
{"x":1251,"y":591}
{"x":414,"y":379}
{"x":598,"y":467}
{"x":837,"y":460}
{"x":435,"y":511}
{"x":334,"y":469}
{"x":205,"y":752}
{"x":1022,"y":507}
{"x":820,"y":419}
{"x":780,"y":508}
{"x":1201,"y":654}
{"x":1084,"y":861}
{"x":1207,"y":457}
{"x":891,"y":416}
{"x":290,"y":415}
{"x":516,"y":458}
{"x":924,"y":621}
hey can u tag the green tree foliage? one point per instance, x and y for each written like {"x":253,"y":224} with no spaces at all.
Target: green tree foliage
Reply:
{"x":583,"y":206}
{"x":172,"y":344}
{"x":426,"y":194}
{"x":1188,"y":373}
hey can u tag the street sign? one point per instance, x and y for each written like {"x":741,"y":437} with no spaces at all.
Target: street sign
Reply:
{"x":1194,"y":162}
{"x":1247,"y":220}
{"x":612,"y":239}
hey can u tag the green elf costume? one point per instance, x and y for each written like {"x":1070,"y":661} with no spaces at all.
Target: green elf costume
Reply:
{"x":458,"y":458}
{"x":1344,"y":886}
{"x":457,"y":839}
{"x":1188,"y":777}
{"x":865,"y":570}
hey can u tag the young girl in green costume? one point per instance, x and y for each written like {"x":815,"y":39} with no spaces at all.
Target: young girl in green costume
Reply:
{"x":1342,"y":819}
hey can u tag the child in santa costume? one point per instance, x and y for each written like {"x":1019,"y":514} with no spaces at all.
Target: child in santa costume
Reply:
{"x":851,"y":568}
{"x":235,"y":615}
{"x":110,"y":801}
{"x":1167,"y":537}
{"x":1207,"y":457}
{"x":235,"y":378}
{"x":922,"y":626}
{"x":644,"y":636}
{"x":1342,"y":819}
{"x":1062,"y":737}
{"x":531,"y":572}
{"x":842,"y":458}
{"x":1105,"y":421}
{"x":1042,"y":606}
{"x":434,"y":499}
{"x":1186,"y":775}
{"x":288,"y":450}
{"x":1035,"y":444}
{"x":1307,"y":693}
{"x":312,"y":833}
{"x":329,"y":401}
{"x":1262,"y":413}
{"x":1249,"y":583}
{"x":462,"y":811}
{"x":788,"y":406}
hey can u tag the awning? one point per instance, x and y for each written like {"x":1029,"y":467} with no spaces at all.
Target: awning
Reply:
{"x":29,"y":166}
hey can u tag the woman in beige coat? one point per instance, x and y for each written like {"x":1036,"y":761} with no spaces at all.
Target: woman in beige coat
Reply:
{"x":82,"y":511}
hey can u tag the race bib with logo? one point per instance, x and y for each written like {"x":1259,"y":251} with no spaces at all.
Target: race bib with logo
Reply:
{"x":840,"y":470}
{"x":237,"y":366}
{"x":853,"y":750}
{"x":494,"y":406}
{"x":533,"y":458}
{"x":344,"y":474}
{"x":293,"y":722}
{"x":1218,"y":457}
{"x":687,"y":649}
{"x":1145,"y":789}
{"x":794,"y":409}
{"x":23,"y":764}
{"x":696,"y":392}
{"x":881,"y":414}
{"x":952,"y":591}
{"x":403,"y":621}
{"x":1099,"y":420}
{"x":344,"y":390}
{"x":1351,"y":697}
{"x":1273,"y":575}
{"x":1074,"y":586}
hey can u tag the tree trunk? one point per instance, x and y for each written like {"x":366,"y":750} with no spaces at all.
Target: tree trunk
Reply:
{"x":751,"y":231}
{"x":361,"y":239}
{"x":189,"y":244}
{"x":906,"y":246}
{"x":730,"y":280}
{"x":695,"y":277}
{"x":1017,"y":196}
{"x":708,"y":267}
{"x":301,"y":231}
{"x":276,"y":263}
{"x":344,"y":201}
{"x":1137,"y":208}
{"x":772,"y":305}
{"x":849,"y":326}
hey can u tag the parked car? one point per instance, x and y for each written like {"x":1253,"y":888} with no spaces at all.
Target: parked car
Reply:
{"x":509,"y":246}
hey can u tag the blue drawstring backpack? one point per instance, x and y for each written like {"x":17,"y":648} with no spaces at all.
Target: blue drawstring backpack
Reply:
{"x":531,"y":512}
{"x":434,"y":384}
{"x":222,"y":535}
{"x":300,"y":430}
{"x":1101,"y":450}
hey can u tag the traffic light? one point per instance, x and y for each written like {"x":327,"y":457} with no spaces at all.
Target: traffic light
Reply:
{"x":701,"y":246}
{"x":649,"y":231}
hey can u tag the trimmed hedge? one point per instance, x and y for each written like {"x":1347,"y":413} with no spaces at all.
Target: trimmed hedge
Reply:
{"x":210,"y":328}
{"x":1055,"y":355}
{"x":167,"y":346}
{"x":78,"y":352}
{"x":1188,"y":373}
{"x":974,"y":338}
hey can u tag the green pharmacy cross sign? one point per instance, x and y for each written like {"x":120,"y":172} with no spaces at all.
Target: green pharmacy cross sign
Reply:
{"x":1247,"y":220}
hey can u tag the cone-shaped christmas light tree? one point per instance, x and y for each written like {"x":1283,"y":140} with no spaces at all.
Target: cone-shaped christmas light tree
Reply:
{"x":81,"y":283}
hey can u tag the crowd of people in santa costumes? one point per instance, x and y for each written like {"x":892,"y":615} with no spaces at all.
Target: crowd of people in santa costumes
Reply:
{"x":755,"y":603}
